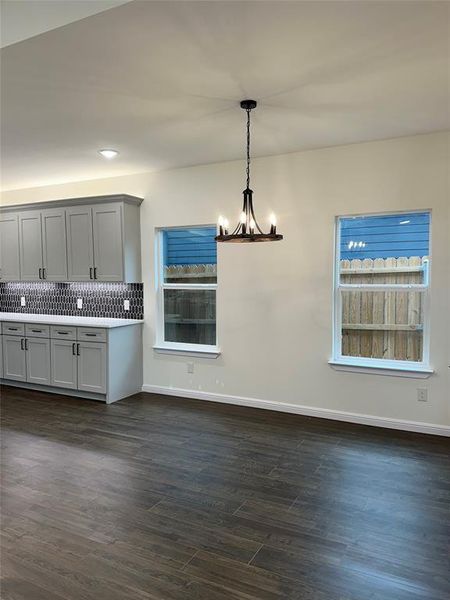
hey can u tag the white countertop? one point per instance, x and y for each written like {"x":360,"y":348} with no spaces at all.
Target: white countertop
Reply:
{"x":68,"y":320}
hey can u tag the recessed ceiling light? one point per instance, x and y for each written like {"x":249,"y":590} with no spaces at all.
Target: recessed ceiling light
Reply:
{"x":108,"y":153}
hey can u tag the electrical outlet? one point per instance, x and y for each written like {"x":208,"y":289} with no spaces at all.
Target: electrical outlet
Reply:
{"x":126,"y":305}
{"x":79,"y":302}
{"x":422,"y":395}
{"x":190,"y":367}
{"x":22,"y":301}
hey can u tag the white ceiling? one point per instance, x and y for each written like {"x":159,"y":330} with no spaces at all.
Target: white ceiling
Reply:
{"x":161,"y":82}
{"x":22,"y":19}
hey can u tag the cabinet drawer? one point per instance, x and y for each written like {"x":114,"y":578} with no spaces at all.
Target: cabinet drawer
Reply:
{"x":37,"y":330}
{"x":12,"y":328}
{"x":61,"y":332}
{"x":91,"y":334}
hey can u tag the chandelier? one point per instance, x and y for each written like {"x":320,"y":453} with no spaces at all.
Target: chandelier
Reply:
{"x":248,"y":230}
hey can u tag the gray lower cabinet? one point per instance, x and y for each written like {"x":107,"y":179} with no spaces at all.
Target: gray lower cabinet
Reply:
{"x":94,"y":362}
{"x":30,"y":236}
{"x":80,"y":243}
{"x":9,"y":247}
{"x":14,"y":358}
{"x":64,"y":364}
{"x":38,"y":360}
{"x":92,"y":367}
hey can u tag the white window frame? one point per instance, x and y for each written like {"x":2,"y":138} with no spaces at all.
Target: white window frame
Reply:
{"x":381,"y":365}
{"x":161,"y":345}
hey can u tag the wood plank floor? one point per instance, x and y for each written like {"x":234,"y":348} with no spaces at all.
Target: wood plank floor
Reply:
{"x":158,"y":498}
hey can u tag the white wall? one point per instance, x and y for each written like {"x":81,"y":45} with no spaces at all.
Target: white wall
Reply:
{"x":274,"y":300}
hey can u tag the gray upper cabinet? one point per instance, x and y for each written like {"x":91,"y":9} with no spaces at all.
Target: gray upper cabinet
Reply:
{"x":80,"y":244}
{"x":54,"y":247}
{"x":82,"y":239}
{"x":9,"y":247}
{"x":108,"y":242}
{"x":30,"y":236}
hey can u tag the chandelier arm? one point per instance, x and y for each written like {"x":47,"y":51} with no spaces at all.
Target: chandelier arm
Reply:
{"x":254,"y":218}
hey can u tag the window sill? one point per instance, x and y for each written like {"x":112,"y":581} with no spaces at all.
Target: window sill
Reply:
{"x":395,"y":370}
{"x":180,"y":351}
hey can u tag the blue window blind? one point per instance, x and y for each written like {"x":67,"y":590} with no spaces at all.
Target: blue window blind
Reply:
{"x":385,"y":236}
{"x":190,"y":246}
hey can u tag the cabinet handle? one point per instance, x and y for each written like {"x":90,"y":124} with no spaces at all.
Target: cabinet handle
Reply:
{"x":62,"y":332}
{"x":95,"y":272}
{"x":73,"y":349}
{"x":21,"y":344}
{"x":40,"y":273}
{"x":90,"y":273}
{"x":36,"y":330}
{"x":90,"y":334}
{"x":78,"y":349}
{"x":44,"y":276}
{"x":26,"y":344}
{"x":13,"y":328}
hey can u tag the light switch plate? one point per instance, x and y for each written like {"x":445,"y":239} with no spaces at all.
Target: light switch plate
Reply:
{"x":22,"y":301}
{"x":126,"y":305}
{"x":79,"y":302}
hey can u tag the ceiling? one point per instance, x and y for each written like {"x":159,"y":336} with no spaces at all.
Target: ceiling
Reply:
{"x":161,"y":82}
{"x":22,"y":19}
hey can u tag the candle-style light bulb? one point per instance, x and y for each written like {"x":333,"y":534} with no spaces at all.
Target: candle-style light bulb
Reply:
{"x":225,"y":226}
{"x":243,"y":220}
{"x":220,"y":222}
{"x":273,"y":223}
{"x":252,"y":226}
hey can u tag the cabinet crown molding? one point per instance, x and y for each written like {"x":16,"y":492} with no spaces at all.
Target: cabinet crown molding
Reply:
{"x":67,"y":202}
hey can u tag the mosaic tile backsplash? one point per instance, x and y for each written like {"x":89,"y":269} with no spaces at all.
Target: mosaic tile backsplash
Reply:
{"x":99,"y":299}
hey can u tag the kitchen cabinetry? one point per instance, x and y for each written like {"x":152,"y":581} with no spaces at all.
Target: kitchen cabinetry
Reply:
{"x":14,"y":363}
{"x":92,"y":367}
{"x":42,"y":237}
{"x":80,"y":243}
{"x":9,"y":247}
{"x":94,"y":362}
{"x":81,"y":239}
{"x":30,"y":236}
{"x":54,"y":245}
{"x":37,"y":351}
{"x":64,"y":364}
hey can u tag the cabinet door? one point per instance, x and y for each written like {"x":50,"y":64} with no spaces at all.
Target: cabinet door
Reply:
{"x":9,"y":247}
{"x":63,"y":364}
{"x":80,"y":245}
{"x":108,"y":242}
{"x":38,"y":360}
{"x":92,"y":367}
{"x":30,"y":237}
{"x":14,"y":361}
{"x":1,"y":356}
{"x":54,"y":250}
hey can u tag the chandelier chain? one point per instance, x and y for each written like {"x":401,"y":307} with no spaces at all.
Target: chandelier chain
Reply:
{"x":248,"y":148}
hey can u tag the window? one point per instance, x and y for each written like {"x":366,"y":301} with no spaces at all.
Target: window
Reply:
{"x":187,"y":285}
{"x":381,"y":290}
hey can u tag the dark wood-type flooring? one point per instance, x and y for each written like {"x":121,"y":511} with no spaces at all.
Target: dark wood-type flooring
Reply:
{"x":159,"y":498}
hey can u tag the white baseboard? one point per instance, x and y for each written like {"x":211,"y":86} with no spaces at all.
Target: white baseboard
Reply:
{"x":308,"y":411}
